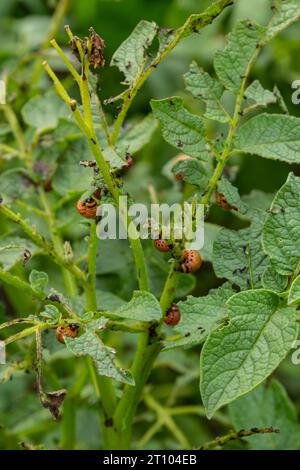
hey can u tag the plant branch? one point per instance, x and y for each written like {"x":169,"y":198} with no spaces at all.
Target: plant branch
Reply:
{"x":165,"y":418}
{"x":41,"y":242}
{"x":233,"y":435}
{"x":193,"y":24}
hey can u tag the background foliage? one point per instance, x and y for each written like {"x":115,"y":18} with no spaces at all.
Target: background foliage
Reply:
{"x":175,"y":378}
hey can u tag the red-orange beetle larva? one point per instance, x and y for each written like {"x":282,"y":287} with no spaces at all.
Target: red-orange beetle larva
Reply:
{"x":161,"y":245}
{"x":87,"y":208}
{"x":221,"y":201}
{"x":71,"y":331}
{"x":191,"y":261}
{"x":173,"y":315}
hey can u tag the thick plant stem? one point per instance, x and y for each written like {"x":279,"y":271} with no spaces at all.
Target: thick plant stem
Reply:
{"x":68,"y":437}
{"x":93,"y":143}
{"x":103,"y":386}
{"x":147,"y":351}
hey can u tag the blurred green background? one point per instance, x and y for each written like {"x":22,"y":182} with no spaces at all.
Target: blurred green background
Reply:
{"x":175,"y":378}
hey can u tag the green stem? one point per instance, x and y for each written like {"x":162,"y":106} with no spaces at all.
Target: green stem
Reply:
{"x":200,"y":411}
{"x":231,"y":134}
{"x":28,"y":331}
{"x":93,"y":143}
{"x":167,"y":420}
{"x":232,"y":435}
{"x":169,"y":288}
{"x":68,"y":435}
{"x":103,"y":386}
{"x":147,"y":351}
{"x":193,"y":23}
{"x":39,"y":240}
{"x":90,"y":284}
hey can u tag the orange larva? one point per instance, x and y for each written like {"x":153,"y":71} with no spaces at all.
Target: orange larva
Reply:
{"x":191,"y":261}
{"x":221,"y":201}
{"x":71,"y":331}
{"x":161,"y":245}
{"x":87,"y":208}
{"x":173,"y":315}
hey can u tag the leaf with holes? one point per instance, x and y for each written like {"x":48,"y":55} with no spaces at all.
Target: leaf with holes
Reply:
{"x":199,"y":316}
{"x":281,"y":239}
{"x":231,"y":63}
{"x":180,"y":128}
{"x":136,"y":136}
{"x":287,"y":12}
{"x":130,"y":57}
{"x":210,"y":90}
{"x":231,"y":194}
{"x":238,"y":357}
{"x":257,"y":93}
{"x":89,"y":344}
{"x":238,"y":255}
{"x":142,"y":307}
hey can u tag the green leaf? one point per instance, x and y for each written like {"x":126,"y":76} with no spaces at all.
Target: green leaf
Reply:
{"x":130,"y":57}
{"x":51,"y":313}
{"x":259,"y":95}
{"x":142,"y":307}
{"x":12,"y":250}
{"x":238,"y":255}
{"x":211,"y":232}
{"x":267,"y":405}
{"x":15,"y":184}
{"x":199,"y":316}
{"x":137,"y":136}
{"x":231,"y":63}
{"x":70,"y":174}
{"x":273,"y":136}
{"x":294,"y":294}
{"x":274,"y":281}
{"x":108,"y":301}
{"x":238,"y":357}
{"x":287,"y":12}
{"x":43,"y":112}
{"x":113,"y":158}
{"x":281,"y":239}
{"x":191,"y":171}
{"x":210,"y":90}
{"x":180,"y":128}
{"x":231,"y":195}
{"x":257,"y":200}
{"x":38,"y":280}
{"x":89,"y":344}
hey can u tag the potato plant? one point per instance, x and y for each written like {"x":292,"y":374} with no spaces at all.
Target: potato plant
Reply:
{"x":95,"y":320}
